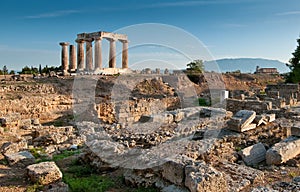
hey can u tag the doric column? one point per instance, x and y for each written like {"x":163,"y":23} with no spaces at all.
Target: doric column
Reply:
{"x":125,"y":55}
{"x":98,"y":53}
{"x":80,"y":54}
{"x":72,"y":58}
{"x":112,"y":53}
{"x":89,"y":55}
{"x":64,"y":57}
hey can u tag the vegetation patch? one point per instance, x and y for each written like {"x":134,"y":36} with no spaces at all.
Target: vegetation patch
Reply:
{"x":65,"y":154}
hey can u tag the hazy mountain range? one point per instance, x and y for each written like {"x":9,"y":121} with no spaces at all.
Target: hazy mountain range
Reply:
{"x":248,"y":65}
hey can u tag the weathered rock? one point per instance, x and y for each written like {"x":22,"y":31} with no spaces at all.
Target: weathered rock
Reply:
{"x":283,"y":151}
{"x":57,"y":187}
{"x":44,"y":173}
{"x":22,"y":158}
{"x":174,"y":188}
{"x":201,"y":178}
{"x":239,"y":177}
{"x":35,"y":121}
{"x":173,"y":170}
{"x":253,"y":154}
{"x":242,"y":120}
{"x":10,"y":120}
{"x":295,"y":131}
{"x":9,"y":148}
{"x":263,"y":189}
{"x":25,"y":123}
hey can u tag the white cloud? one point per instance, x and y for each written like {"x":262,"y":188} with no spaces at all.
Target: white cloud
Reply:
{"x":289,"y":13}
{"x":53,"y":14}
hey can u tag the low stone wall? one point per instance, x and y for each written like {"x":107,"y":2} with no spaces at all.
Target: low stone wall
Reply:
{"x":259,"y":107}
{"x":131,"y":111}
{"x":288,"y":91}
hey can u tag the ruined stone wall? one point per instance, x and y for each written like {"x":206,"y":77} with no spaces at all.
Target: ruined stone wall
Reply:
{"x":259,"y":107}
{"x":130,"y":111}
{"x":288,"y":91}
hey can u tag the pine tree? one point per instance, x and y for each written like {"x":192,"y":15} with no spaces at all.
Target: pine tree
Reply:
{"x":294,"y":65}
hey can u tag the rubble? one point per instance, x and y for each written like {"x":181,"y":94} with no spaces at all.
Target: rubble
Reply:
{"x":200,"y":177}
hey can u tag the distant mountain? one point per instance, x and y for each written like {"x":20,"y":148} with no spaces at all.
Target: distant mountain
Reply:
{"x":247,"y":65}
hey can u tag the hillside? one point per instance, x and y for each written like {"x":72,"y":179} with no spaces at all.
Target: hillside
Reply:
{"x":247,"y":65}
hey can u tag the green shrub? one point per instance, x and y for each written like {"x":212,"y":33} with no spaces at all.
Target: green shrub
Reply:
{"x":202,"y":102}
{"x":89,"y":184}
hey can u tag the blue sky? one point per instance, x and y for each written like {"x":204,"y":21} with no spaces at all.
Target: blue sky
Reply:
{"x":31,"y":29}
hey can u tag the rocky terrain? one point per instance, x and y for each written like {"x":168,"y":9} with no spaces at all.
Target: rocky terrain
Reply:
{"x":148,"y":132}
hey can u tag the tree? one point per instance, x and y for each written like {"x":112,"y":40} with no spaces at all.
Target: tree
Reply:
{"x":40,"y":69}
{"x":5,"y":71}
{"x":12,"y":72}
{"x":196,"y":66}
{"x":294,"y":65}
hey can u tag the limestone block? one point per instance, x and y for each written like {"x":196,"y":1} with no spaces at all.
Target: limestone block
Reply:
{"x":242,"y":120}
{"x":44,"y":173}
{"x":283,"y":151}
{"x":270,"y":117}
{"x":173,"y":170}
{"x":295,"y":131}
{"x":254,"y":154}
{"x":9,"y":148}
{"x":22,"y":158}
{"x":260,"y":120}
{"x":201,"y":178}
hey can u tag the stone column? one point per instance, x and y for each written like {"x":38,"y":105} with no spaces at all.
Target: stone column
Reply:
{"x":98,"y":53}
{"x":80,"y":54}
{"x":89,"y":55}
{"x":64,"y":57}
{"x":112,"y":53}
{"x":125,"y":55}
{"x":72,"y":58}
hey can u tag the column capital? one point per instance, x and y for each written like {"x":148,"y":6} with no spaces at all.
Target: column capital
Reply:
{"x":89,"y":40}
{"x":110,"y":39}
{"x":98,"y":38}
{"x":64,"y":43}
{"x":79,"y":40}
{"x":123,"y":41}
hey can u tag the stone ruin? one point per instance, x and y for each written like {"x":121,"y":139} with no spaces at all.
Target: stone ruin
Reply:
{"x":85,"y":61}
{"x":276,"y":97}
{"x":179,"y":149}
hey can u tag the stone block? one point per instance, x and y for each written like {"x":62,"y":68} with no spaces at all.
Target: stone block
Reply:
{"x":254,"y":154}
{"x":22,"y":158}
{"x":242,"y":120}
{"x":201,"y":178}
{"x":270,"y":117}
{"x":295,"y":131}
{"x":283,"y":151}
{"x":9,"y":148}
{"x":260,"y":120}
{"x":44,"y":173}
{"x":174,"y":172}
